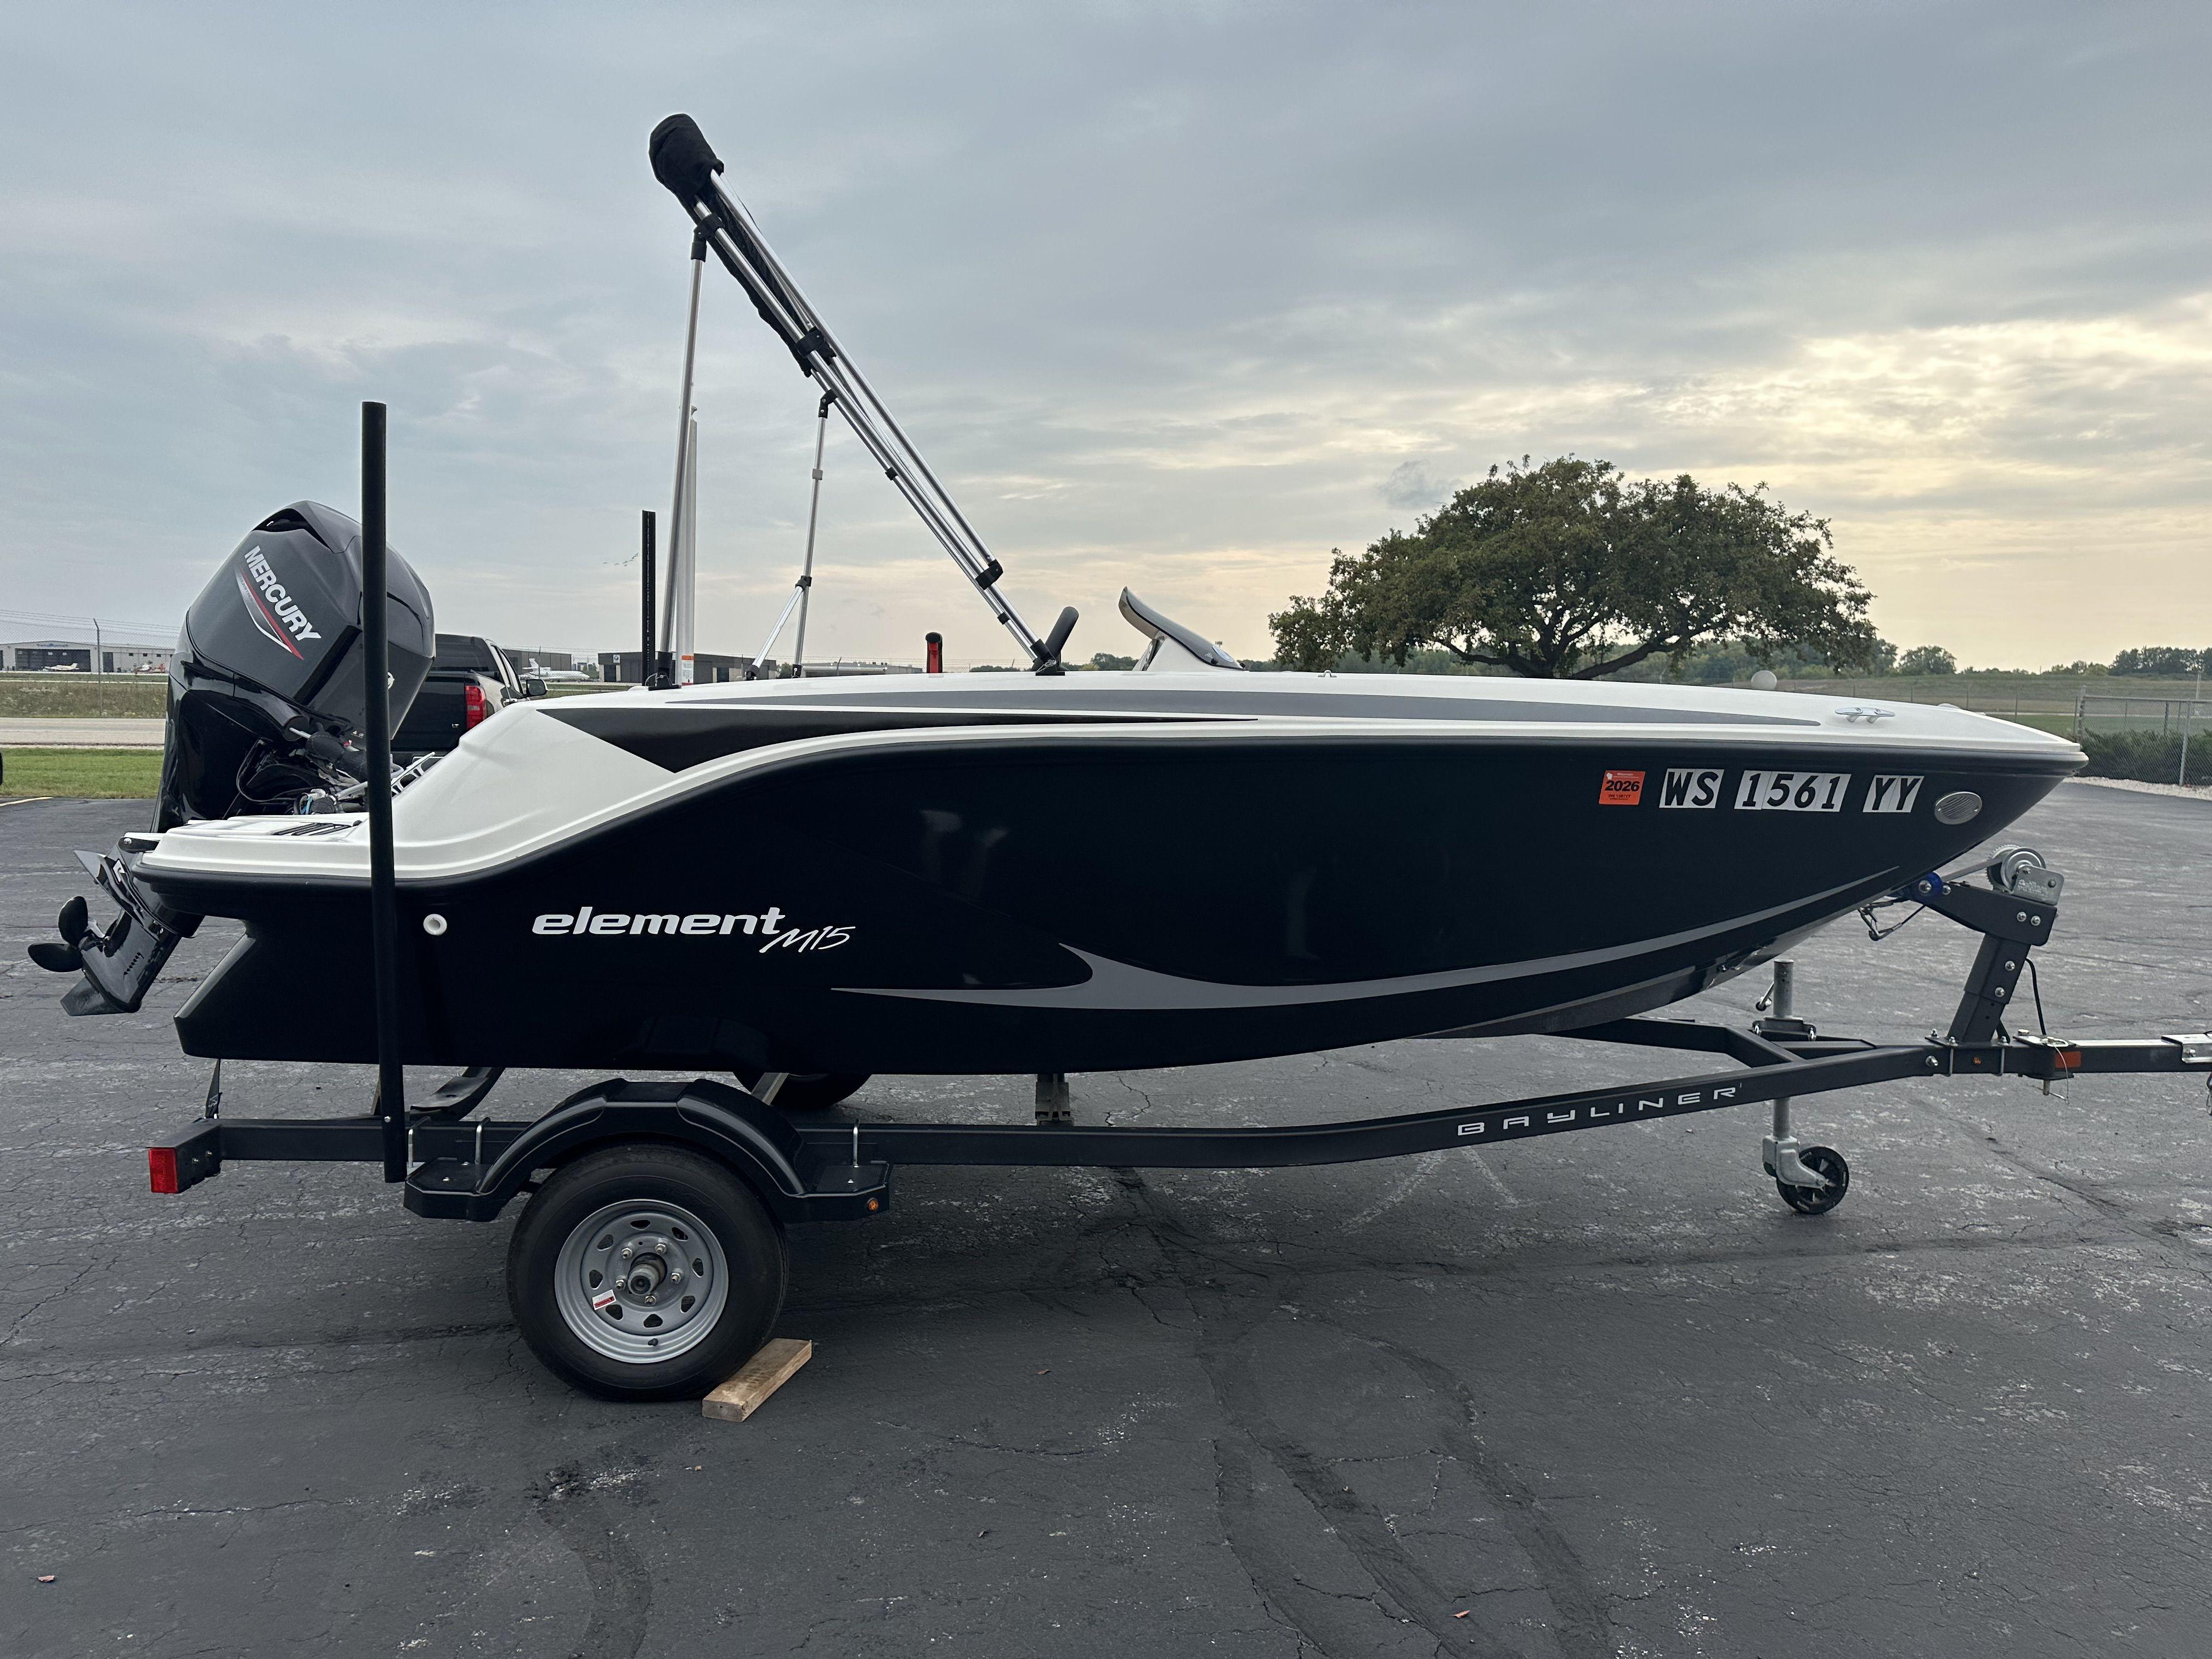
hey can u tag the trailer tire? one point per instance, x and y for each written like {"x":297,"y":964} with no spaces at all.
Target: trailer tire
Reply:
{"x":807,"y":1091}
{"x":645,"y":1272}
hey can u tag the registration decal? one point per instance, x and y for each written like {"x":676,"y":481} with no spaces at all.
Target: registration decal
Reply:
{"x":1621,"y":789}
{"x":1885,"y":793}
{"x":1687,"y":786}
{"x":1792,"y":791}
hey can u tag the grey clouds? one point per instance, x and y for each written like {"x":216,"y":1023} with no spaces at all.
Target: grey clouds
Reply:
{"x":1179,"y":296}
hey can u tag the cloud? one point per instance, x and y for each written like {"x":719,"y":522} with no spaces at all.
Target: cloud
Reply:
{"x":1178,"y":296}
{"x":1419,"y":486}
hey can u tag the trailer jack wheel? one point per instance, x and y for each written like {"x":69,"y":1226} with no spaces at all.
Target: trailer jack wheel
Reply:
{"x":1827,"y":1163}
{"x":645,"y":1273}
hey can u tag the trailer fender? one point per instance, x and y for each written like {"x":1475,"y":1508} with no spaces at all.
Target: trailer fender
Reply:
{"x":726,"y":1123}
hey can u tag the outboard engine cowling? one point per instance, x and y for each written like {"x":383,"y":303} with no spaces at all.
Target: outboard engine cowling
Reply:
{"x":266,"y":702}
{"x":265,"y":693}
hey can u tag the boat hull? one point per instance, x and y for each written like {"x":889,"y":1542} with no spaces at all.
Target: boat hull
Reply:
{"x":1031,"y":903}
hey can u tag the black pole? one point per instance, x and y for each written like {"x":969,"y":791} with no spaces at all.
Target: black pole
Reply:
{"x":383,"y":886}
{"x":645,"y":653}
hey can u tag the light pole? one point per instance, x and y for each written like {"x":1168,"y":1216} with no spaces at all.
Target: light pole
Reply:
{"x":2196,"y":692}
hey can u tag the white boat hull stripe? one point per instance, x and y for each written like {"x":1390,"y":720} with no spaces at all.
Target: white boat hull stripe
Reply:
{"x":1123,"y":987}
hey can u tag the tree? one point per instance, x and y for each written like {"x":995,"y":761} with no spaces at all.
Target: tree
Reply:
{"x":1568,"y":570}
{"x":1928,"y":659}
{"x":1724,"y":662}
{"x":1106,"y":661}
{"x":2172,"y":661}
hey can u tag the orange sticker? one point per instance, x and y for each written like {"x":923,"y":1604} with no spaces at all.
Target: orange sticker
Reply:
{"x":1621,"y":789}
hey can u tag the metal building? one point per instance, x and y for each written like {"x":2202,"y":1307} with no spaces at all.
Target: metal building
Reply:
{"x":34,"y":656}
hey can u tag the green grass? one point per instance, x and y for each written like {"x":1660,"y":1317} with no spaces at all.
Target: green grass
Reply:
{"x":1996,"y":694}
{"x":84,"y":696}
{"x":102,"y":774}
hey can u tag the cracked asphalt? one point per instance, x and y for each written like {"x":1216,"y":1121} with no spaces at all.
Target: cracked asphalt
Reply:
{"x":1598,"y":1394}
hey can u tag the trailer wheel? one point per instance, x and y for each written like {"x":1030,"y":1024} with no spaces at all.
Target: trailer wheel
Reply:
{"x":1819,"y":1201}
{"x":645,"y":1273}
{"x":808,"y":1092}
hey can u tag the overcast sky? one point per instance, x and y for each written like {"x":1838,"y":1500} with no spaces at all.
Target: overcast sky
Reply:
{"x":1178,"y":296}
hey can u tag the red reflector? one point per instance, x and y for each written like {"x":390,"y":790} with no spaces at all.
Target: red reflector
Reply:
{"x":474,"y":695}
{"x":2067,"y":1059}
{"x":161,"y":1167}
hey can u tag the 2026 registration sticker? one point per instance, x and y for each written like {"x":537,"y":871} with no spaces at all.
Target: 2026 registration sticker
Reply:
{"x":1792,"y":791}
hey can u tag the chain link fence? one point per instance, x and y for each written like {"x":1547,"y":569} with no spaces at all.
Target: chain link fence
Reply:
{"x":2152,"y":739}
{"x":2104,"y":712}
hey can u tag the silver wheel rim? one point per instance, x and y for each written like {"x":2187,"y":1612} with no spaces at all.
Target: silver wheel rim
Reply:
{"x":641,"y":1281}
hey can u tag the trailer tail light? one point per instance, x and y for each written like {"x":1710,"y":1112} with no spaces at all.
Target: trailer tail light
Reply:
{"x":475,"y":697}
{"x":188,"y":1160}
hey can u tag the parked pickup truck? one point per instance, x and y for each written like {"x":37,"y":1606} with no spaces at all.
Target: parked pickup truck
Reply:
{"x":469,"y":682}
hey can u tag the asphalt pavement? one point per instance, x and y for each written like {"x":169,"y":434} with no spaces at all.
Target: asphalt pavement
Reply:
{"x":1598,"y":1394}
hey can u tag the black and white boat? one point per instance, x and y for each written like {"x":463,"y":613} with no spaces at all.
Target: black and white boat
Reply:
{"x":1042,"y":872}
{"x":999,"y":872}
{"x":808,"y":881}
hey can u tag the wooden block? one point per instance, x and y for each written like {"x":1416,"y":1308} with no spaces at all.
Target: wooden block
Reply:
{"x":757,"y":1378}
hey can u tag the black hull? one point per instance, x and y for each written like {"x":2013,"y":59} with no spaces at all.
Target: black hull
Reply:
{"x":1131,"y":903}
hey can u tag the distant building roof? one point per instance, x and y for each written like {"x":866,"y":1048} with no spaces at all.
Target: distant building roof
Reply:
{"x":79,"y":645}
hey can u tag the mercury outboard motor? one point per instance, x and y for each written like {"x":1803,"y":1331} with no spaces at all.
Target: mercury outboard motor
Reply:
{"x":265,"y":694}
{"x":266,"y":703}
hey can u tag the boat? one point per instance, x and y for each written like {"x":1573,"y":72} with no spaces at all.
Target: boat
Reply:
{"x":805,"y":881}
{"x":1181,"y":865}
{"x":1186,"y":863}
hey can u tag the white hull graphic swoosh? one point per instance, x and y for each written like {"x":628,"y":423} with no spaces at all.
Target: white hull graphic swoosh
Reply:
{"x":1122,"y":985}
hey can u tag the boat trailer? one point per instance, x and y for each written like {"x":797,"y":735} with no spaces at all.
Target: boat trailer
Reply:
{"x":469,"y":1169}
{"x":650,"y":1262}
{"x":462,"y":1167}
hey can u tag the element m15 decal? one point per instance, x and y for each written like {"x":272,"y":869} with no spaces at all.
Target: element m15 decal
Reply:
{"x":1885,"y":793}
{"x":1692,"y":787}
{"x":1792,"y":791}
{"x":607,"y":923}
{"x":1621,"y":789}
{"x":770,"y":926}
{"x":811,"y":938}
